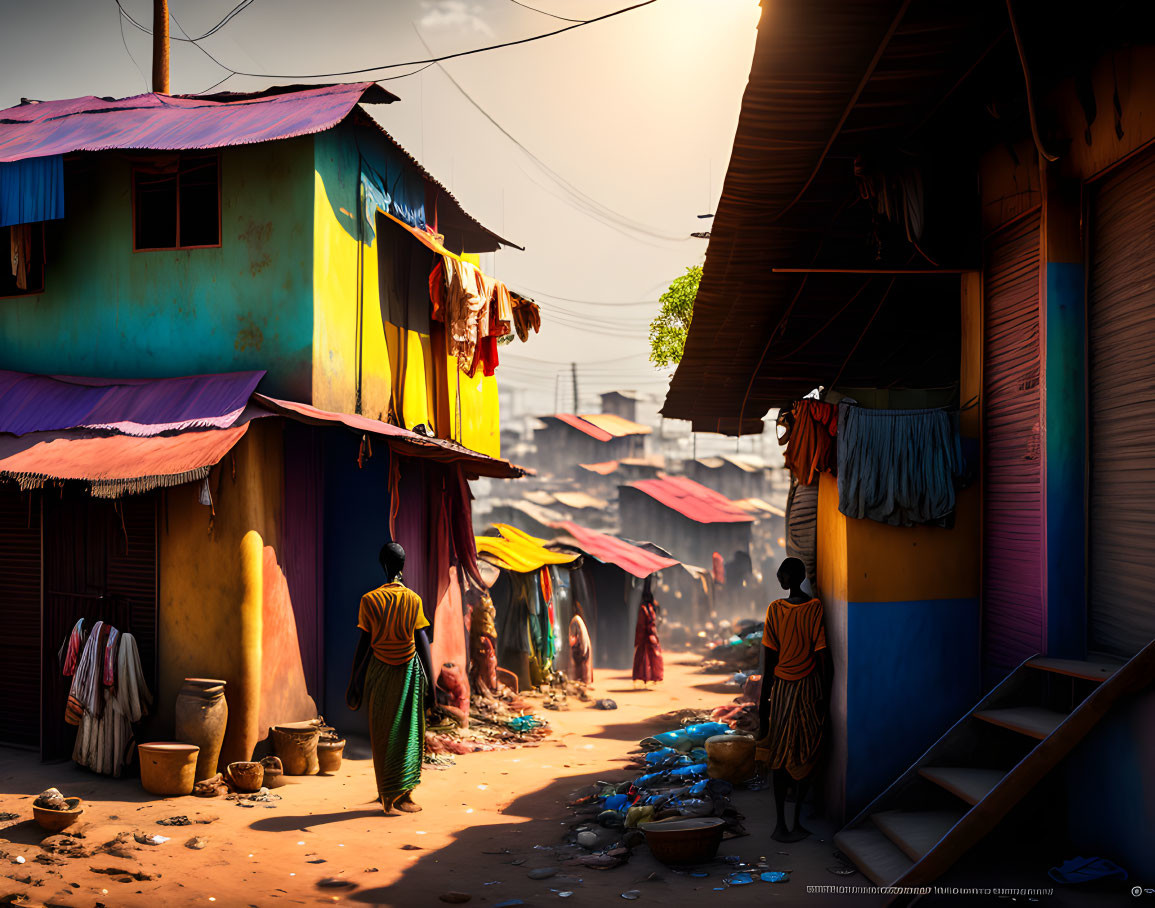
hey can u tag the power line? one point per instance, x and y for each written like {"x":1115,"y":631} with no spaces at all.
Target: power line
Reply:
{"x":543,"y":12}
{"x":124,"y":41}
{"x":229,"y":16}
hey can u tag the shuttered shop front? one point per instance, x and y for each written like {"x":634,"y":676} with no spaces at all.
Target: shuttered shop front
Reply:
{"x":1121,"y":328}
{"x":1012,"y":445}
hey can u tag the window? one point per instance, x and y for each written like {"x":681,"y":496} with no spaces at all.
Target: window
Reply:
{"x":23,"y":270}
{"x":177,"y":203}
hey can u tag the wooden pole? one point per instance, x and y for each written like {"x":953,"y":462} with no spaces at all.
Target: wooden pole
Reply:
{"x":160,"y":47}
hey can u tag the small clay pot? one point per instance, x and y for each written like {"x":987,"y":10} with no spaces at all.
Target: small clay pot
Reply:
{"x":274,"y":772}
{"x":56,"y":820}
{"x":246,"y":776}
{"x":329,"y":753}
{"x":168,"y":767}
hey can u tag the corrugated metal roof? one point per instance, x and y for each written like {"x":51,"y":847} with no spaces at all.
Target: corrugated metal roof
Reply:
{"x":113,"y":465}
{"x":830,"y":79}
{"x":582,"y":425}
{"x":617,"y":426}
{"x":171,"y":123}
{"x":760,"y":507}
{"x":605,"y":468}
{"x":580,"y":501}
{"x":692,"y":499}
{"x":610,"y":549}
{"x":42,"y":403}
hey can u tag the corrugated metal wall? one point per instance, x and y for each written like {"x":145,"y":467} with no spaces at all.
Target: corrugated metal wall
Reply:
{"x":20,"y":607}
{"x":1121,"y":316}
{"x":1013,"y":624}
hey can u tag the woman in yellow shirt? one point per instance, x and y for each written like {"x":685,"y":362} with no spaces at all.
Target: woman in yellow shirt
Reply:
{"x":395,"y":650}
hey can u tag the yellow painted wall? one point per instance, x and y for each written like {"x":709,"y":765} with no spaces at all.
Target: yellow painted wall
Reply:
{"x":210,"y":600}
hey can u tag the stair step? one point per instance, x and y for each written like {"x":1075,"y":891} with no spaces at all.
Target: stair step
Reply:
{"x":1033,"y":721}
{"x":874,"y":854}
{"x":916,"y":832}
{"x":1076,"y":668}
{"x":972,"y":785}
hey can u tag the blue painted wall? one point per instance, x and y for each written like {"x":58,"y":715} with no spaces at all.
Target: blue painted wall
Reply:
{"x":356,"y":526}
{"x":912,"y":672}
{"x":109,"y":311}
{"x":1066,"y":421}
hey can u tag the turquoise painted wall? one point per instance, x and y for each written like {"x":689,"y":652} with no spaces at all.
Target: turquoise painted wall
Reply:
{"x":110,"y":311}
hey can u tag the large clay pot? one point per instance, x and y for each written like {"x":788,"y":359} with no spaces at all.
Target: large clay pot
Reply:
{"x":201,"y":716}
{"x":167,"y":767}
{"x":296,"y":745}
{"x":730,"y":757}
{"x":329,"y":753}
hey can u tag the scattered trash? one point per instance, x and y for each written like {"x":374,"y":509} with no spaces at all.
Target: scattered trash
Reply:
{"x":775,"y":876}
{"x":5,"y":817}
{"x":699,"y":874}
{"x":605,"y":703}
{"x":19,"y":859}
{"x":842,"y":870}
{"x":145,"y":839}
{"x":317,"y":861}
{"x":411,"y":848}
{"x":332,"y":882}
{"x":587,"y":839}
{"x":542,"y":873}
{"x":632,"y":895}
{"x":140,"y":876}
{"x":564,"y":894}
{"x":741,"y":878}
{"x":455,"y":898}
{"x":196,"y":843}
{"x":175,"y":821}
{"x":51,"y":799}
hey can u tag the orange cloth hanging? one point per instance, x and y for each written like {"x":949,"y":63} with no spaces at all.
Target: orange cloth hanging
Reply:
{"x":812,"y":448}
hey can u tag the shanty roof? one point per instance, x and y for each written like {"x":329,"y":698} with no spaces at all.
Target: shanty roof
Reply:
{"x":114,"y":465}
{"x":173,"y":122}
{"x":41,"y":403}
{"x":605,"y":468}
{"x":759,"y":507}
{"x":580,"y":501}
{"x":135,"y":434}
{"x":609,"y":549}
{"x":517,"y":551}
{"x":691,"y":499}
{"x":602,"y":426}
{"x":535,"y":512}
{"x":781,"y":309}
{"x":155,"y":122}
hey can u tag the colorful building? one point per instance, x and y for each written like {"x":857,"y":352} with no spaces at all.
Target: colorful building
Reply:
{"x":945,"y":212}
{"x":271,"y":393}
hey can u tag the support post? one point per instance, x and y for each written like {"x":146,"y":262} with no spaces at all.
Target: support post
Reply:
{"x":160,"y":83}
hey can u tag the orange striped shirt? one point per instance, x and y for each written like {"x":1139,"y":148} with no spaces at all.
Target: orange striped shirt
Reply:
{"x":391,"y":615}
{"x":796,"y":632}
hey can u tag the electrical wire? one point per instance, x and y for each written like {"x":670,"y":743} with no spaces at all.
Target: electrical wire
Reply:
{"x":543,"y":12}
{"x":124,"y":41}
{"x":229,"y":16}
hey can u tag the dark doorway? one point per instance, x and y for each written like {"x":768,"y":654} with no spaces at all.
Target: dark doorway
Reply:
{"x":20,"y":605}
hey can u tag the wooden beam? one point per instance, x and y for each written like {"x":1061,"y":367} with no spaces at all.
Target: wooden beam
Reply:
{"x":882,"y":271}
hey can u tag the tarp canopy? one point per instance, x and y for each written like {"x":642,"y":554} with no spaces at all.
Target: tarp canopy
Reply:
{"x":692,"y":499}
{"x":611,"y":550}
{"x":516,"y":551}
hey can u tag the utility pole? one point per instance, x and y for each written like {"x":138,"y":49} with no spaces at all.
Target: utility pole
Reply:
{"x":160,"y":46}
{"x":576,"y":406}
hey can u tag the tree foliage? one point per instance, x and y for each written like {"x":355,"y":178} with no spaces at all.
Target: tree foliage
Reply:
{"x":669,"y":329}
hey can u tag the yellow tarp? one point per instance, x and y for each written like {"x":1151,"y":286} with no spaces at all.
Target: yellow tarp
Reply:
{"x":518,"y":551}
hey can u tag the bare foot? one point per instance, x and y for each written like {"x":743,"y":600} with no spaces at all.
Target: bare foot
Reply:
{"x":389,"y":805}
{"x":407,"y":804}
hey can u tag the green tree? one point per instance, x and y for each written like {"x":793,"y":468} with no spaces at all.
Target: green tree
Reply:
{"x":669,"y":329}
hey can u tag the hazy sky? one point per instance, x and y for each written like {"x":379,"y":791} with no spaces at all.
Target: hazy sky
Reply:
{"x":633,"y":116}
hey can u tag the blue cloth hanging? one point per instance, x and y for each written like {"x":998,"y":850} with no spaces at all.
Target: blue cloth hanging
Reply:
{"x":31,"y":190}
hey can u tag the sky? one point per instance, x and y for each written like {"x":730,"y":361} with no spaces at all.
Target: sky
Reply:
{"x":626,"y":127}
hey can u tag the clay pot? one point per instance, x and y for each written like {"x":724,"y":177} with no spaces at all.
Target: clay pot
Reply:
{"x":56,"y":820}
{"x":201,"y":716}
{"x":329,"y":753}
{"x":168,"y":768}
{"x":274,"y":772}
{"x":296,"y":745}
{"x":730,"y":757}
{"x":246,"y":776}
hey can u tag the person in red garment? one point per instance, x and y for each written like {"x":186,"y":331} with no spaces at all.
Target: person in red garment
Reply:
{"x":648,"y":666}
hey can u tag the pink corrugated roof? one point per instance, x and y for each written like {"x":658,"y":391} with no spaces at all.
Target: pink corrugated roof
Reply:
{"x":46,"y":403}
{"x":692,"y":499}
{"x":610,"y":549}
{"x":168,"y":123}
{"x":582,"y":425}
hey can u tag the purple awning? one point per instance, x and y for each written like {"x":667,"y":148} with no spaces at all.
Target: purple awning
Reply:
{"x":167,"y":123}
{"x":142,"y":407}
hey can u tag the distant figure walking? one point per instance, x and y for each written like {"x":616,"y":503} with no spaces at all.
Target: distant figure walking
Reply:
{"x":581,"y":651}
{"x":647,"y":649}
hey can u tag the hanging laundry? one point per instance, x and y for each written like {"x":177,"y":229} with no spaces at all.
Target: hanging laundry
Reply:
{"x":465,"y":307}
{"x":85,"y":680}
{"x":812,"y":449}
{"x":104,"y":742}
{"x":898,"y":466}
{"x":71,"y":649}
{"x":110,"y":657}
{"x":526,"y":317}
{"x":20,"y":252}
{"x":802,"y":527}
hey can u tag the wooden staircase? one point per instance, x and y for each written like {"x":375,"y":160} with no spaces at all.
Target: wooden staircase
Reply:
{"x":961,"y":788}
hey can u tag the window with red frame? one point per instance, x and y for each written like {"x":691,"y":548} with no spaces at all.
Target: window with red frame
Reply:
{"x":23,"y":272}
{"x":177,"y":203}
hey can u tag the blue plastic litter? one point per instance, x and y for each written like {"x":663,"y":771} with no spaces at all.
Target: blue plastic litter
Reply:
{"x":1086,"y":870}
{"x":650,"y":780}
{"x":616,"y":802}
{"x":775,"y":876}
{"x":685,"y":772}
{"x":741,"y":878}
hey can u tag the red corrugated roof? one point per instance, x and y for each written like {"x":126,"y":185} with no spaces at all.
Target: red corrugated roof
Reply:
{"x":692,"y":499}
{"x":610,"y":549}
{"x":581,"y":425}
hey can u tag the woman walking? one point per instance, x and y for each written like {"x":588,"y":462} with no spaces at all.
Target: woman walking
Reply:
{"x":390,"y":672}
{"x":647,"y":648}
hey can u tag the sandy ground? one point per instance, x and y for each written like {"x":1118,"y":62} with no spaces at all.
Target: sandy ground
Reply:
{"x":481,"y":816}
